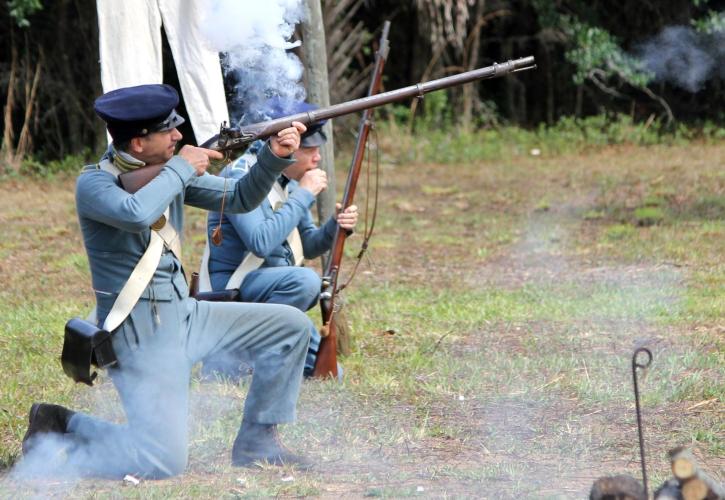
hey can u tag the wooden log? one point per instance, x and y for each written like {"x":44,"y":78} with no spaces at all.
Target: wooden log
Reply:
{"x":702,"y":487}
{"x":694,"y":489}
{"x":683,"y":463}
{"x":695,"y":484}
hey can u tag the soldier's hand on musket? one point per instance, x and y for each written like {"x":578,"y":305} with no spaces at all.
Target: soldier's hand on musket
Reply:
{"x":314,"y":181}
{"x":199,"y":158}
{"x":287,"y":140}
{"x":348,"y":217}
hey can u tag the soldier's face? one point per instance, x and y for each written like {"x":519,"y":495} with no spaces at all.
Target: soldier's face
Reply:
{"x":307,"y":159}
{"x":157,"y":147}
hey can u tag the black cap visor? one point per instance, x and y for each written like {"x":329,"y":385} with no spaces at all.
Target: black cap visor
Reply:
{"x":172,"y":121}
{"x":313,"y":140}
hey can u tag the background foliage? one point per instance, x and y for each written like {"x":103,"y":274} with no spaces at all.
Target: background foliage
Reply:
{"x":589,"y":56}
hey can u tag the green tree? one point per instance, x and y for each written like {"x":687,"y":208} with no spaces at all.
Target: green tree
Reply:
{"x":20,"y":10}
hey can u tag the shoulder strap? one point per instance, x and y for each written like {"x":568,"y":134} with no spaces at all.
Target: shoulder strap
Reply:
{"x":136,"y":284}
{"x":204,"y":280}
{"x":249,"y":263}
{"x":277,"y":196}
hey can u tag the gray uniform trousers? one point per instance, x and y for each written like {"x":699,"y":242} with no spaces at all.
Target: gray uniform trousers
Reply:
{"x":156,"y":354}
{"x":295,"y":286}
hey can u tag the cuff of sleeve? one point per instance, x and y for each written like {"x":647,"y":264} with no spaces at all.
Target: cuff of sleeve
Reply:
{"x":182,"y":168}
{"x":270,"y":161}
{"x":330,"y":227}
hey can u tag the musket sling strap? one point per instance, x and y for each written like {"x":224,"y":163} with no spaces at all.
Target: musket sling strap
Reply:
{"x":276,"y":197}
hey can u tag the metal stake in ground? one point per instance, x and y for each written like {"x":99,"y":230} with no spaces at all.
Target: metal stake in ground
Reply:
{"x":635,"y":365}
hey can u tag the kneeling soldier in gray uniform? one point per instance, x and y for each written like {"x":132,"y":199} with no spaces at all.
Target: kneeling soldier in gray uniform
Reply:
{"x":158,"y":333}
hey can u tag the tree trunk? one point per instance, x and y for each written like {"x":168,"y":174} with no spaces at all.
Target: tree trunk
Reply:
{"x":31,"y":92}
{"x":315,"y":61}
{"x":549,"y":87}
{"x":7,"y":144}
{"x":470,"y":93}
{"x":510,"y":94}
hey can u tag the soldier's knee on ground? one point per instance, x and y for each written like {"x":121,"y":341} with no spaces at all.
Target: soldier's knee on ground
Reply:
{"x":303,"y":324}
{"x":298,"y":325}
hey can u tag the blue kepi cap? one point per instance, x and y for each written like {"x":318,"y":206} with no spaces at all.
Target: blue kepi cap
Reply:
{"x":313,"y":136}
{"x":138,"y":111}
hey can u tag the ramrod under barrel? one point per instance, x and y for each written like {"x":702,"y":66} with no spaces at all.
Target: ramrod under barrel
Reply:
{"x":230,"y":138}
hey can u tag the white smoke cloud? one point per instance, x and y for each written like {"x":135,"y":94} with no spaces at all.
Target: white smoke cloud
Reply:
{"x":255,"y":36}
{"x":684,"y":57}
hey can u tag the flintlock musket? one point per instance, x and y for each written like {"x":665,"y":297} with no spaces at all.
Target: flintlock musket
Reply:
{"x":236,"y":139}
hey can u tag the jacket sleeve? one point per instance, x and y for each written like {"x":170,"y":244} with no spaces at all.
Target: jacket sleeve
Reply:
{"x":316,"y":240}
{"x":262,"y":233}
{"x":99,"y":196}
{"x":241,"y":195}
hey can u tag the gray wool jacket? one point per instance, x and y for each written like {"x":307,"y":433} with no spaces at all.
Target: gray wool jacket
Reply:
{"x":115,"y":224}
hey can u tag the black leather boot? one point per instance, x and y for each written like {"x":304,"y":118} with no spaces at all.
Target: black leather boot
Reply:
{"x":259,"y":444}
{"x":45,"y":418}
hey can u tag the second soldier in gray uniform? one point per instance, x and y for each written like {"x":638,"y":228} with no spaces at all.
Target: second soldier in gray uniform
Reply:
{"x":279,"y":233}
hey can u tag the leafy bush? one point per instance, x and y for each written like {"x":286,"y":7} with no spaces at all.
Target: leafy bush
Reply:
{"x":20,"y":10}
{"x":436,"y":138}
{"x":71,"y":164}
{"x":648,"y":216}
{"x":619,"y":232}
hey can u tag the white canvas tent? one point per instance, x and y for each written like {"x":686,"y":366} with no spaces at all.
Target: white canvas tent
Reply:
{"x":131,"y":54}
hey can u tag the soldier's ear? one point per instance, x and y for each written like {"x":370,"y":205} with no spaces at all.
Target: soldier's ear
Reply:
{"x":136,"y":145}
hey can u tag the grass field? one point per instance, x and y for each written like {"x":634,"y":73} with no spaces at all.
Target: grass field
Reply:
{"x":493,"y":321}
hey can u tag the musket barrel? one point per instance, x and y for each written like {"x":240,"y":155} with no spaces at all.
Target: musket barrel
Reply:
{"x":420,"y":89}
{"x":265,"y":129}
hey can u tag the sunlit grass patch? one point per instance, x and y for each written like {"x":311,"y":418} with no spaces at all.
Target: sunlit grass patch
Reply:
{"x":704,"y":298}
{"x":619,"y":232}
{"x":712,"y":438}
{"x":621,"y":298}
{"x":648,"y":215}
{"x":76,"y":261}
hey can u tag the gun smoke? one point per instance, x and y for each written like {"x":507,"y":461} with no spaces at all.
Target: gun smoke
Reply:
{"x":254,"y":36}
{"x":684,"y":57}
